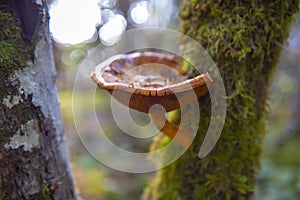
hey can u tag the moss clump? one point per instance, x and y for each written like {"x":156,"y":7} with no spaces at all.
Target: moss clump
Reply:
{"x":242,"y":37}
{"x":14,"y":52}
{"x":46,"y":193}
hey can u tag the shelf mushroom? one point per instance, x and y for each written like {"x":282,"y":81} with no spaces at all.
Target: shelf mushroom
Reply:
{"x":144,"y":79}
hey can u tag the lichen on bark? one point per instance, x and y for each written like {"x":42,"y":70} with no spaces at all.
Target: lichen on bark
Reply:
{"x":13,"y":55}
{"x":244,"y":39}
{"x":33,"y":151}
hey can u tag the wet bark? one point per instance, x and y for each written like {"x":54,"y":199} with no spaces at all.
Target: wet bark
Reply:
{"x":34,"y":158}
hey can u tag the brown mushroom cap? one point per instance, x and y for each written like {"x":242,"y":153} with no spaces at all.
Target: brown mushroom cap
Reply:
{"x":158,"y":85}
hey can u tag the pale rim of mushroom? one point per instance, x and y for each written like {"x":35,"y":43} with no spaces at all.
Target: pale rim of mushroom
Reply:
{"x":187,"y":85}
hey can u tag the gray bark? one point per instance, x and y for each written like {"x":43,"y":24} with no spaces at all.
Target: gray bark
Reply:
{"x":34,"y":158}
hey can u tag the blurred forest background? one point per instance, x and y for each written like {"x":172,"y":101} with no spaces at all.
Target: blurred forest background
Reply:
{"x":78,"y":26}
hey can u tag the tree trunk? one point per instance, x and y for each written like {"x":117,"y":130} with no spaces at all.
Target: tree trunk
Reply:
{"x":34,"y":159}
{"x":244,"y":39}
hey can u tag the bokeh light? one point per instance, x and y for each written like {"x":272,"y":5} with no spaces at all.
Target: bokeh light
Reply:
{"x":74,"y":21}
{"x":139,"y":12}
{"x":111,"y":31}
{"x":108,"y":3}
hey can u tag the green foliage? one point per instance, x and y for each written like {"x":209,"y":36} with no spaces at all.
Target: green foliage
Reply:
{"x":243,"y":38}
{"x":278,"y":180}
{"x":91,"y":180}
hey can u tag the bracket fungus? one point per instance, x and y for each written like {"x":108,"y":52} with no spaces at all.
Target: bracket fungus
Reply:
{"x":145,"y":79}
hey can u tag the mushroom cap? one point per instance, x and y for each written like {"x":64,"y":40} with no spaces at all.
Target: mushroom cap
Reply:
{"x":141,"y":80}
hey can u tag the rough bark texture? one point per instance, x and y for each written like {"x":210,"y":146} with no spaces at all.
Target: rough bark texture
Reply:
{"x":34,"y":158}
{"x":244,"y":39}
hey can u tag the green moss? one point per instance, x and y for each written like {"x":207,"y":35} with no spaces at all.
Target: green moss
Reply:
{"x":242,"y":37}
{"x":14,"y":52}
{"x":46,"y":193}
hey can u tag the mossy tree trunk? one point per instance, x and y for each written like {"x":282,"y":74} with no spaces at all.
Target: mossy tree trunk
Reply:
{"x":244,"y":38}
{"x":34,"y":158}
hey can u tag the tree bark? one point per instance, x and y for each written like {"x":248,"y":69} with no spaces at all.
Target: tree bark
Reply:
{"x":34,"y":158}
{"x":244,"y":39}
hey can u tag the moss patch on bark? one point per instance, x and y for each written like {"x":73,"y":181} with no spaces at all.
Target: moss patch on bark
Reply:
{"x":14,"y":52}
{"x":244,"y":39}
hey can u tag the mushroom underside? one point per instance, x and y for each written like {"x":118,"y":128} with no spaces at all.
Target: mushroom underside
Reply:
{"x":169,"y":102}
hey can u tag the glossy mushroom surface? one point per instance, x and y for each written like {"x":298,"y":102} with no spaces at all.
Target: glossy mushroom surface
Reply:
{"x":141,"y":80}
